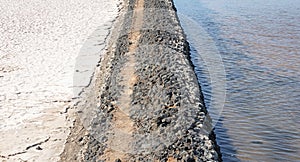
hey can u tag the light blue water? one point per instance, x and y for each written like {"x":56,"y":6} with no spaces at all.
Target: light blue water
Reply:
{"x":259,"y":42}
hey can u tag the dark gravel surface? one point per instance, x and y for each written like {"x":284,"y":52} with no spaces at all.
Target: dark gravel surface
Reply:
{"x":166,"y":107}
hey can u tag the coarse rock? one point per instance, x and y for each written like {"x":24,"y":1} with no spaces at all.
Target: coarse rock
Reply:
{"x":144,"y":103}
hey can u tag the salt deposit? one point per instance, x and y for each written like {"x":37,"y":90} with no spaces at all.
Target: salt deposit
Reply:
{"x":39,"y":43}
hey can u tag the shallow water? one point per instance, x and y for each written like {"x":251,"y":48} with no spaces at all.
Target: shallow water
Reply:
{"x":258,"y":41}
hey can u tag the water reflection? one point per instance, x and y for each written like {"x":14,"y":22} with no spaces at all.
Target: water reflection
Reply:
{"x":258,"y":41}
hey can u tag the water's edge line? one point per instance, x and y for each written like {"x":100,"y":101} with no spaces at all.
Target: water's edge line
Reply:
{"x":212,"y":135}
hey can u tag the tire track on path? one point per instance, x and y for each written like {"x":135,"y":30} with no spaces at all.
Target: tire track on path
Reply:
{"x":122,"y":125}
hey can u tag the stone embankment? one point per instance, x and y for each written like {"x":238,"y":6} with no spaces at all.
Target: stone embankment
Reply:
{"x":144,"y":102}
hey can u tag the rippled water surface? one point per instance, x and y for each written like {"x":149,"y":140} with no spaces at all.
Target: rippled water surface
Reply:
{"x":259,"y":42}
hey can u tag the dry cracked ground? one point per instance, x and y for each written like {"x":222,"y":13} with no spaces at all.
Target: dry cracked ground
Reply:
{"x":48,"y":52}
{"x":40,"y":45}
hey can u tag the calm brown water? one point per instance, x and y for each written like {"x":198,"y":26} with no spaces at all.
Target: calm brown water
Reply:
{"x":259,"y":42}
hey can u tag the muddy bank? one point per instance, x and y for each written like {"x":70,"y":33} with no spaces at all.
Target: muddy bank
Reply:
{"x":144,"y":102}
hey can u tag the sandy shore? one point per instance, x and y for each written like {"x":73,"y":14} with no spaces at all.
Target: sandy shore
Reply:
{"x":39,"y":44}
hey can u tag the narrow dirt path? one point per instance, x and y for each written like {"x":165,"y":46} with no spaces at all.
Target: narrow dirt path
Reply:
{"x":122,"y":125}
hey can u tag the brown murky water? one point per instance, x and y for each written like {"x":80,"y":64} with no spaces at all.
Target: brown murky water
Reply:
{"x":259,"y":41}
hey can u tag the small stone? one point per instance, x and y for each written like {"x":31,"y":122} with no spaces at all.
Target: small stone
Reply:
{"x":118,"y":160}
{"x":39,"y":148}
